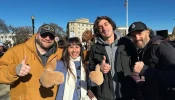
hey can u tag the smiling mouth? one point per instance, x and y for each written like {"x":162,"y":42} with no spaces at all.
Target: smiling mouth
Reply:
{"x":74,"y":54}
{"x":138,"y":41}
{"x":105,"y":32}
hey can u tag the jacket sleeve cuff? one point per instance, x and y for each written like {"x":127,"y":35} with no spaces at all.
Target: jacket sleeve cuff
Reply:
{"x":13,"y":69}
{"x":143,"y":70}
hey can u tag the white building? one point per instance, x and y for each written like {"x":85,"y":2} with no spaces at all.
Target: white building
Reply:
{"x":72,"y":34}
{"x":77,"y":27}
{"x":122,"y":30}
{"x":6,"y":37}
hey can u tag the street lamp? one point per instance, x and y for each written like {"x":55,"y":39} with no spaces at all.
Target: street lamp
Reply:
{"x":33,"y":21}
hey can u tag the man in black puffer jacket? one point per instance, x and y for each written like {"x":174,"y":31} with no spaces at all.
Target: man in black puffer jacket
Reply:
{"x":157,"y":63}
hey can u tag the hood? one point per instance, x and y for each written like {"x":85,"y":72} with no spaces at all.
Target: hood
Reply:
{"x":31,"y":44}
{"x":116,"y":38}
{"x":153,"y":39}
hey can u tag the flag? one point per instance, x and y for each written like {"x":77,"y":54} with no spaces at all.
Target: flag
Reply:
{"x":125,"y":4}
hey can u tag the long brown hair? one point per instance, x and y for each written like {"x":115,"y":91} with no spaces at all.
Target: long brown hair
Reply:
{"x":65,"y":55}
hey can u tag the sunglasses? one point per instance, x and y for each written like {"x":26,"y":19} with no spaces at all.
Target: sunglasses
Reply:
{"x":51,"y":36}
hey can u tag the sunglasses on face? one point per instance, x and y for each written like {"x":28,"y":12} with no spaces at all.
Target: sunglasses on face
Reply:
{"x":51,"y":36}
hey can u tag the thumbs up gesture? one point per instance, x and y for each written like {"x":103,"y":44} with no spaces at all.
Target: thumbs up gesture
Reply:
{"x":50,"y":78}
{"x":96,"y":76}
{"x":105,"y":67}
{"x":23,"y":69}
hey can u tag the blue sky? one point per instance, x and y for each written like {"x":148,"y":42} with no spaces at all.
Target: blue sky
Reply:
{"x":157,"y":14}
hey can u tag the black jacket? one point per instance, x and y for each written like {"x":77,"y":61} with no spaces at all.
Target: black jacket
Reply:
{"x":159,"y":75}
{"x":126,"y":85}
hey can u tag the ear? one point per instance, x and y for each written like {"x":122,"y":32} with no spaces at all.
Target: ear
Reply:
{"x":37,"y":35}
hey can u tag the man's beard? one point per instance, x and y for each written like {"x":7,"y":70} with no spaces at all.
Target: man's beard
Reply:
{"x":143,"y":44}
{"x":42,"y":45}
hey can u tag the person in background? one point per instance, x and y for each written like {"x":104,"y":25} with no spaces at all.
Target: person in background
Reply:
{"x":22,"y":65}
{"x":1,"y":49}
{"x":4,"y":88}
{"x":61,"y":44}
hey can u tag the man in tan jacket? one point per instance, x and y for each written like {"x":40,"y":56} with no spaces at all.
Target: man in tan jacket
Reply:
{"x":22,"y":66}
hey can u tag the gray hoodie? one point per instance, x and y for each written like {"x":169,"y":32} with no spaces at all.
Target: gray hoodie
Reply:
{"x":111,"y":50}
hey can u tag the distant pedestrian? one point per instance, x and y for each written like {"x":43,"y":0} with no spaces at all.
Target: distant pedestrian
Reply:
{"x":4,"y":88}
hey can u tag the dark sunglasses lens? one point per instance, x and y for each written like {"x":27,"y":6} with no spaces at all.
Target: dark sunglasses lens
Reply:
{"x":48,"y":34}
{"x":52,"y":37}
{"x":44,"y":35}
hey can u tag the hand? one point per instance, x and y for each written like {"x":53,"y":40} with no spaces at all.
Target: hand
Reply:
{"x":23,"y":69}
{"x":50,"y":78}
{"x":138,"y":67}
{"x":96,"y":76}
{"x":105,"y":68}
{"x":91,"y":95}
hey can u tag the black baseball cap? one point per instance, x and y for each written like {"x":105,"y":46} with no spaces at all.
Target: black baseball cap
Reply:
{"x":137,"y":26}
{"x":46,"y":28}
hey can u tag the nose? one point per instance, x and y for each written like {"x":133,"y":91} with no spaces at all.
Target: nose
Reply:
{"x":103,"y":28}
{"x":74,"y":49}
{"x":137,"y":36}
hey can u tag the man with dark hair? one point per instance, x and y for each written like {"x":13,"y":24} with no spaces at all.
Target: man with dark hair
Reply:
{"x":156,"y":63}
{"x":61,"y":43}
{"x":21,"y":66}
{"x":115,"y":56}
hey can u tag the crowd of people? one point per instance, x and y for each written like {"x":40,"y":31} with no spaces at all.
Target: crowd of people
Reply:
{"x":139,"y":66}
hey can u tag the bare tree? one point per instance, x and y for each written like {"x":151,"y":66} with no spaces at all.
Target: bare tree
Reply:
{"x":60,"y":32}
{"x":173,"y":33}
{"x":3,"y":27}
{"x":21,"y":33}
{"x":172,"y":36}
